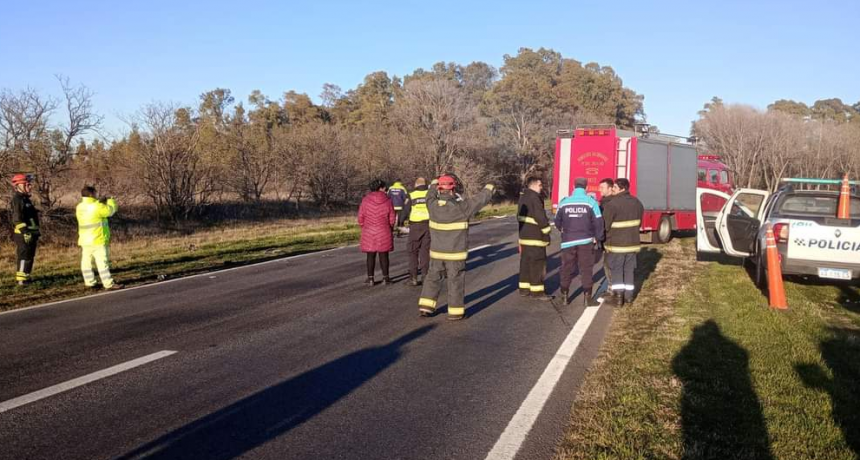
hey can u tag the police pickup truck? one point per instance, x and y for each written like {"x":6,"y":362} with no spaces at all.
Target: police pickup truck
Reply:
{"x":810,"y":239}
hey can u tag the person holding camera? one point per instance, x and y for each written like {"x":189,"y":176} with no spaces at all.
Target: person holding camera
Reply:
{"x":94,"y":237}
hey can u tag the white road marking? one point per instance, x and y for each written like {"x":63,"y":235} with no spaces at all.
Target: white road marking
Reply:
{"x":479,"y":247}
{"x":80,"y":381}
{"x":512,"y":438}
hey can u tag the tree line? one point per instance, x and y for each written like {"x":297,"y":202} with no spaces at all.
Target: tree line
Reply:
{"x":789,"y":139}
{"x":483,"y":124}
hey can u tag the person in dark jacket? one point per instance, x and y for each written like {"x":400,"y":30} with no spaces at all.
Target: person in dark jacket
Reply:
{"x":581,"y":224}
{"x":622,"y":217}
{"x":419,"y":231}
{"x":398,"y":194}
{"x":606,"y":189}
{"x":449,"y":244}
{"x":534,"y":231}
{"x":25,"y":228}
{"x":376,"y":218}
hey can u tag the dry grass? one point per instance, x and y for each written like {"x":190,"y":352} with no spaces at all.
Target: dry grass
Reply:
{"x":700,"y":368}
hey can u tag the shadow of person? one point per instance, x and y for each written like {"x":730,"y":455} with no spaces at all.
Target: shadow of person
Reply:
{"x":840,"y":352}
{"x":489,"y":255}
{"x":721,"y":416}
{"x":240,"y":427}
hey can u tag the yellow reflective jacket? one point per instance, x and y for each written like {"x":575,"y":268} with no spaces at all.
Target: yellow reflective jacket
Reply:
{"x":93,"y":229}
{"x":417,"y":205}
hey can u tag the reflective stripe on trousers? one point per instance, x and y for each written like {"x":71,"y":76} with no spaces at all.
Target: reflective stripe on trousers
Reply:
{"x":101,"y":254}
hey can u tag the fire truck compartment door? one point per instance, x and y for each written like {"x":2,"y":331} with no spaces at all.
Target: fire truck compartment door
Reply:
{"x":709,"y":202}
{"x":739,"y":221}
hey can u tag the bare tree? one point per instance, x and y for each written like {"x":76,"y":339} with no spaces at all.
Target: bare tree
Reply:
{"x":172,"y":171}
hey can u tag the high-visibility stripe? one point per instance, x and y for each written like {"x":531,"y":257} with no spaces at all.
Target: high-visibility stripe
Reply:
{"x":456,"y":311}
{"x":449,"y":255}
{"x":19,"y":227}
{"x":536,"y":288}
{"x":568,"y":244}
{"x":21,"y":276}
{"x":451,"y":226}
{"x":539,"y":243}
{"x":621,"y":249}
{"x":524,"y":285}
{"x":425,"y":302}
{"x":546,"y":230}
{"x":527,"y":220}
{"x":626,"y":223}
{"x":490,"y":187}
{"x":618,"y":287}
{"x":89,"y":226}
{"x":629,"y":287}
{"x":398,"y":208}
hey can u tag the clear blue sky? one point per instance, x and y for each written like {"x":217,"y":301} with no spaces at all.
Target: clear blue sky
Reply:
{"x":678,"y":54}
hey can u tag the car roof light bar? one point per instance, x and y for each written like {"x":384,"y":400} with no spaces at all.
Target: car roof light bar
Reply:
{"x":798,"y":180}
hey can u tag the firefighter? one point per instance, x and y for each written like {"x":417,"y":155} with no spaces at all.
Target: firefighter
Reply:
{"x":449,"y":233}
{"x":25,"y":225}
{"x":622,"y":218}
{"x":581,"y":224}
{"x":398,"y":195}
{"x":605,"y":187}
{"x":534,"y":231}
{"x":94,"y":237}
{"x":419,"y":231}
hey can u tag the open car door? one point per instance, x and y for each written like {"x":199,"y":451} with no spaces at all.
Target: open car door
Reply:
{"x":709,"y":203}
{"x":739,"y":221}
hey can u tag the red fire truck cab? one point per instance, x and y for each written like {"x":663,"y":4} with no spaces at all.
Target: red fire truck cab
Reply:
{"x":664,"y":172}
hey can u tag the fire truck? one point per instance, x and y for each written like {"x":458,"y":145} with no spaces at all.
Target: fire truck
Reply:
{"x":664,"y":172}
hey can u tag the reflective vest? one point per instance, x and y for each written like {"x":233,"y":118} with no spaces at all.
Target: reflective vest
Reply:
{"x":93,"y":229}
{"x":418,"y":211}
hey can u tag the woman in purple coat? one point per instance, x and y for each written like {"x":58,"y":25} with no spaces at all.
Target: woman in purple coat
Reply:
{"x":376,"y":218}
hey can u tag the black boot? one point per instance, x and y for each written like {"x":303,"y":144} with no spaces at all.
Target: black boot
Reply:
{"x":413,"y":281}
{"x":524,"y":293}
{"x":386,"y":281}
{"x":588,"y":300}
{"x":369,"y":281}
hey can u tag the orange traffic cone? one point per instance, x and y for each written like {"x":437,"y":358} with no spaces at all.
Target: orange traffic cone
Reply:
{"x":775,"y":289}
{"x":842,"y":211}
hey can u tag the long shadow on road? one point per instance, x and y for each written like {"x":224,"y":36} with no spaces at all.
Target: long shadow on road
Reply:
{"x":721,"y":415}
{"x":242,"y":426}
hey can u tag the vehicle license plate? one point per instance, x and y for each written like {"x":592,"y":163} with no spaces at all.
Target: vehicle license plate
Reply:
{"x":834,"y":273}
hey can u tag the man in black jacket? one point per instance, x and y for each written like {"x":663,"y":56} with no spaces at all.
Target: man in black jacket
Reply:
{"x":622,"y":217}
{"x":25,"y":224}
{"x":534,"y":238}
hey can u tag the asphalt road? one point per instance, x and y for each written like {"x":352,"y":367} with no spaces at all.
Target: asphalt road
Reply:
{"x":293,"y":359}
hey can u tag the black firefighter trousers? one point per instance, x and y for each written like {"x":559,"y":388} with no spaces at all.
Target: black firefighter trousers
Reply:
{"x":419,"y":248}
{"x":622,"y":265}
{"x":456,"y":270}
{"x":26,"y":254}
{"x":532,"y":269}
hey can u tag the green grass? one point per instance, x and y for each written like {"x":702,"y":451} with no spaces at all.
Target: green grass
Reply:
{"x":146,"y":259}
{"x":700,"y":367}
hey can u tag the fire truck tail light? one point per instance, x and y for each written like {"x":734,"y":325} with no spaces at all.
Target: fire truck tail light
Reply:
{"x":592,"y":132}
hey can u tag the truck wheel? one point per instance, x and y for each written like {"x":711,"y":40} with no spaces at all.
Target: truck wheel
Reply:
{"x":663,"y":234}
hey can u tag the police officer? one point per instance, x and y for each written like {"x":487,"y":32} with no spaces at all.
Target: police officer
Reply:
{"x":419,"y":231}
{"x":534,"y":238}
{"x":581,"y":224}
{"x":449,"y":235}
{"x":622,"y":217}
{"x":398,"y":195}
{"x":25,"y":228}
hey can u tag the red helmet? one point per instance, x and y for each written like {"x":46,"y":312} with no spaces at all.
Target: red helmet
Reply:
{"x":446,"y":182}
{"x":20,"y":179}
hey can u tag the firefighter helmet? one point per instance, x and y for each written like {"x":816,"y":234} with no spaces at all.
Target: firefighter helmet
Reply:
{"x":18,"y":179}
{"x":446,"y":182}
